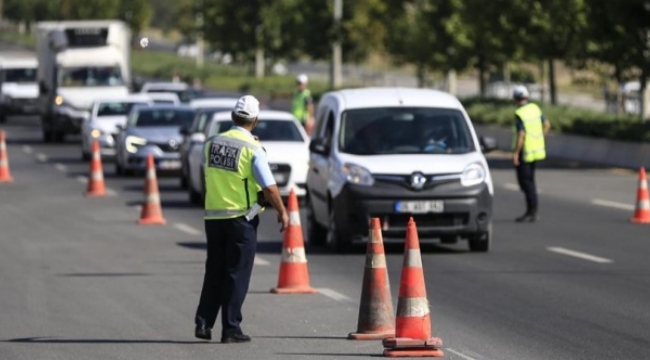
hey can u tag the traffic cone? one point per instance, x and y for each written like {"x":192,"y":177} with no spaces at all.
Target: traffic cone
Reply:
{"x":96,"y":186}
{"x":642,"y":212}
{"x":294,"y":275}
{"x":413,"y":324}
{"x":376,"y":316}
{"x":5,"y":175}
{"x":151,"y":210}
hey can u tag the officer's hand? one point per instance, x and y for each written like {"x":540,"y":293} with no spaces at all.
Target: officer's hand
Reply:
{"x":283,"y":219}
{"x":515,"y":160}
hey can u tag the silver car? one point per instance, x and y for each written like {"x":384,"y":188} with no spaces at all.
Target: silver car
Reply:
{"x":152,"y":130}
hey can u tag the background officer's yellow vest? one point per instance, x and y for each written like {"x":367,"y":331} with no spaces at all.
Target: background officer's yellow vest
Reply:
{"x":534,"y":146}
{"x":230,"y":187}
{"x":298,"y":107}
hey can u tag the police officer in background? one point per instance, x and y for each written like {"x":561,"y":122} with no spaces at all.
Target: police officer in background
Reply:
{"x":238,"y":182}
{"x":529,"y":148}
{"x":302,"y":105}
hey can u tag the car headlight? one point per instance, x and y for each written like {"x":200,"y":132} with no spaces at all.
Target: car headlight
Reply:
{"x":358,"y":175}
{"x":132,"y":143}
{"x":58,"y":100}
{"x":95,"y":133}
{"x":473,"y":174}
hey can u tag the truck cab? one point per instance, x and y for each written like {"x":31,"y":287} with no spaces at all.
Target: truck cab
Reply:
{"x":79,"y":61}
{"x":18,"y":87}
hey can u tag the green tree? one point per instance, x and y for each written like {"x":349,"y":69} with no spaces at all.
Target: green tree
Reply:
{"x":136,"y":13}
{"x":89,"y":10}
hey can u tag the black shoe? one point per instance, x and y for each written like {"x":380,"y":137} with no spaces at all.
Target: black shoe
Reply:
{"x":527,"y":217}
{"x":202,"y":331}
{"x":235,"y":338}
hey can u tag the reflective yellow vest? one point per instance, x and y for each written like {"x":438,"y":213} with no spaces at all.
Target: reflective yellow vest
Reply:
{"x":298,"y":106}
{"x":534,"y":146}
{"x":230,"y":187}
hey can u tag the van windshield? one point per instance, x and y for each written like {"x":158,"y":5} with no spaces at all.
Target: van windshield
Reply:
{"x":90,"y":76}
{"x":382,"y":131}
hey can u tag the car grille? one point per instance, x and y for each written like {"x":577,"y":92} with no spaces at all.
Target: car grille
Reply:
{"x":405,"y":180}
{"x":426,"y":220}
{"x":168,"y":148}
{"x":281,"y":169}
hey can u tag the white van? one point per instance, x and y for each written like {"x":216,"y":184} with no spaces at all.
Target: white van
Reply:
{"x":396,"y":153}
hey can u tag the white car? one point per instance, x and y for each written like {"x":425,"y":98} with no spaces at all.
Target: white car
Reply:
{"x":106,"y":116}
{"x":164,"y":98}
{"x":284,"y":139}
{"x":184,"y":91}
{"x":203,"y":103}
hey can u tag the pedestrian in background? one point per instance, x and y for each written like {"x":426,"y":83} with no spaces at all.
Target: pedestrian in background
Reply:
{"x":302,"y":105}
{"x":529,"y":148}
{"x":238,"y":183}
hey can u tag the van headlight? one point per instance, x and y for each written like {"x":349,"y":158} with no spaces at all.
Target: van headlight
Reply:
{"x":132,"y":143}
{"x":473,"y":174}
{"x":356,"y":174}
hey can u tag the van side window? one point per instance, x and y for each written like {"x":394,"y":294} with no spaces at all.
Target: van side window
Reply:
{"x":329,"y":127}
{"x":320,"y":121}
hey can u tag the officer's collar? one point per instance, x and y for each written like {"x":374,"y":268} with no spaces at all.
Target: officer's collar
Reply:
{"x":243,"y":130}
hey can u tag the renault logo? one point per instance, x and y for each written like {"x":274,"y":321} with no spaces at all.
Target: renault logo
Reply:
{"x":173,"y":144}
{"x":418,"y":180}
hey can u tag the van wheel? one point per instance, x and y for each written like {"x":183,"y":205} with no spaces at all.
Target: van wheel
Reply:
{"x":195,"y":196}
{"x":47,"y":136}
{"x":481,"y":242}
{"x":316,"y":234}
{"x":336,"y":240}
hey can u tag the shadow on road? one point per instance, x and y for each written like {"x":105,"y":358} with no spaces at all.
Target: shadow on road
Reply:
{"x":333,"y":354}
{"x":109,"y":274}
{"x":302,"y":337}
{"x":50,"y":340}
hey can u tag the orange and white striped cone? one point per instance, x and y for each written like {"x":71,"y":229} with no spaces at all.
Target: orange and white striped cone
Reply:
{"x":294,"y":273}
{"x":413,"y":323}
{"x":642,"y":211}
{"x":5,"y":174}
{"x":376,"y":316}
{"x":151,"y":209}
{"x":96,"y":186}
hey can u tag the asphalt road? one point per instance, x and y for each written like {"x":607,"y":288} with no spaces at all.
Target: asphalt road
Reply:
{"x":80,"y":280}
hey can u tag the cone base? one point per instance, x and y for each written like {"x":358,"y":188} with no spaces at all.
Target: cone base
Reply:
{"x":294,"y":290}
{"x":393,"y":343}
{"x":371,"y":335}
{"x":154,"y":221}
{"x":95,"y":194}
{"x":640,"y":221}
{"x":413,"y":352}
{"x":6,"y":179}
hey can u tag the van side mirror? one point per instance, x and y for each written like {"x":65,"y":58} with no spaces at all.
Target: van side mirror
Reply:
{"x":319,"y":146}
{"x":42,"y":88}
{"x":488,"y":144}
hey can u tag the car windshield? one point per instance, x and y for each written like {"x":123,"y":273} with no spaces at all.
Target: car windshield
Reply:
{"x":266,"y":130}
{"x":379,"y":131}
{"x":26,"y":75}
{"x":163,"y":117}
{"x":90,"y":76}
{"x":116,"y":108}
{"x":183,"y":95}
{"x":159,"y":101}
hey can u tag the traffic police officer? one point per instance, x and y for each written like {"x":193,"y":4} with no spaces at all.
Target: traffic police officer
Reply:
{"x":238,"y":182}
{"x":302,"y":105}
{"x":528,"y":144}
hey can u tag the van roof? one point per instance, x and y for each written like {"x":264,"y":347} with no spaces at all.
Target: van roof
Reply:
{"x":395,"y":97}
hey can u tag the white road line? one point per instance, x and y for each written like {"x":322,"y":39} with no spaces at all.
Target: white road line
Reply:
{"x":260,"y":262}
{"x":60,"y":167}
{"x":187,"y":229}
{"x":335,"y":295}
{"x":511,"y":186}
{"x":27,"y":149}
{"x":579,"y":255}
{"x":41,"y":157}
{"x":613,"y":204}
{"x":111,"y":192}
{"x":459,"y":354}
{"x":82,"y":179}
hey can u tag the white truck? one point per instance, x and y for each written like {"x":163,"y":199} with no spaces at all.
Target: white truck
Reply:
{"x":79,"y":61}
{"x":18,"y":87}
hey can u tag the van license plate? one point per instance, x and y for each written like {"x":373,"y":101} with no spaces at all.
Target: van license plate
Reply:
{"x":419,"y":207}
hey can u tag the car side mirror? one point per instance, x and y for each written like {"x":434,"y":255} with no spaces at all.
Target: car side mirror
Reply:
{"x":197,"y":138}
{"x":120,"y":127}
{"x":488,"y":144}
{"x":319,"y":146}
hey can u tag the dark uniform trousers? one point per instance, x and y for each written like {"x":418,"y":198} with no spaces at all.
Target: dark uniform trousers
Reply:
{"x":526,"y":179}
{"x":228,"y":269}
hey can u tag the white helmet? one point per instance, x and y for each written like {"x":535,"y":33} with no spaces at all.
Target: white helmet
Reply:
{"x":302,"y":79}
{"x":520,"y":92}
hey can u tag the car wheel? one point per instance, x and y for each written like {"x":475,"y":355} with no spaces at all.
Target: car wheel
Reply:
{"x":335,"y":237}
{"x":184,"y":182}
{"x":194,"y":196}
{"x":119,"y":171}
{"x":85,"y":156}
{"x":47,"y":136}
{"x":3,"y":117}
{"x":316,"y":234}
{"x":58,"y":137}
{"x":481,"y":242}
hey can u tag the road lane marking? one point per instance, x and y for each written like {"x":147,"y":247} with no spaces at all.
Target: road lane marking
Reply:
{"x":511,"y":186}
{"x":613,"y":204}
{"x":41,"y":157}
{"x":60,"y":167}
{"x":335,"y":295}
{"x":579,"y":255}
{"x":460,"y":354}
{"x":111,"y":192}
{"x":187,"y":229}
{"x":82,"y":179}
{"x":260,"y":262}
{"x":27,"y":149}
